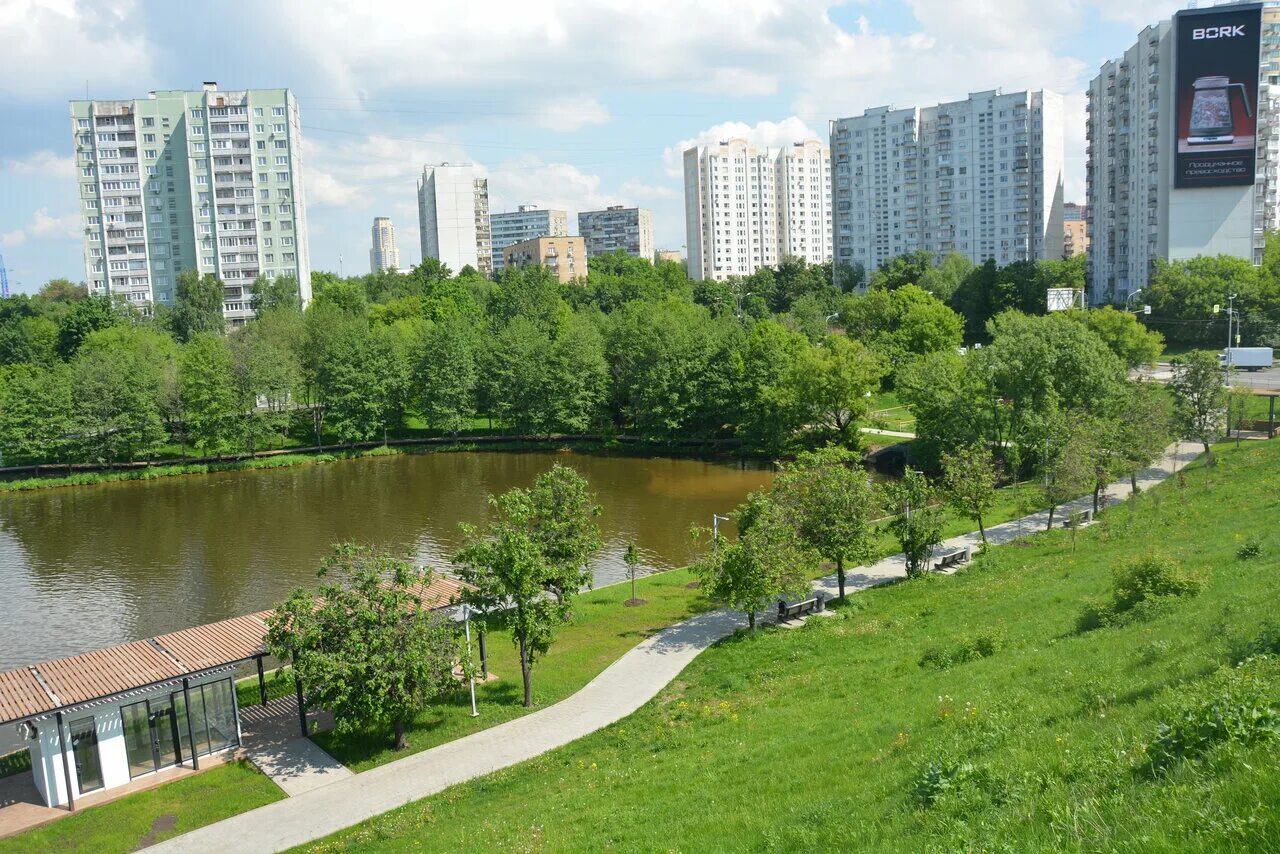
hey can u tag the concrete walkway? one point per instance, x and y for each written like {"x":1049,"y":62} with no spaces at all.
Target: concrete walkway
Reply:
{"x":273,"y":741}
{"x":623,"y":687}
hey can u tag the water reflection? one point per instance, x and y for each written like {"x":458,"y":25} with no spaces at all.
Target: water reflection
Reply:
{"x":84,"y":568}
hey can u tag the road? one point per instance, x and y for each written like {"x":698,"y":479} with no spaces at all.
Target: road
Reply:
{"x":1268,"y":378}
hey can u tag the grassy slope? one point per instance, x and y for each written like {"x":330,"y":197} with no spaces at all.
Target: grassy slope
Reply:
{"x":121,"y":825}
{"x":817,"y":738}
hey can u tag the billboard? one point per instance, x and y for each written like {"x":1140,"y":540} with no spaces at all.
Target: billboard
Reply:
{"x":1216,"y":95}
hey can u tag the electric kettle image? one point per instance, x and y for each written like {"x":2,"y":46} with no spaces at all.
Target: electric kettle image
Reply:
{"x":1212,"y":122}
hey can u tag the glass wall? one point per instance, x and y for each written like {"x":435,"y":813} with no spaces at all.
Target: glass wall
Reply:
{"x":137,"y":738}
{"x":213,"y":716}
{"x":84,"y":747}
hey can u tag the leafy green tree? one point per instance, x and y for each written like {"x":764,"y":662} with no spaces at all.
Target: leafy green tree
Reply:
{"x":278,"y":293}
{"x":117,"y":383}
{"x":969,"y":479}
{"x":63,"y":290}
{"x":773,"y":412}
{"x":446,"y":374}
{"x":917,"y":520}
{"x":945,"y":279}
{"x":831,"y":500}
{"x":364,"y":646}
{"x":1143,"y":415}
{"x":1200,"y":398}
{"x":357,"y":383}
{"x":1187,"y":291}
{"x":267,"y":374}
{"x":28,"y":340}
{"x":83,"y":318}
{"x":768,"y":560}
{"x":197,"y":305}
{"x":1133,"y":343}
{"x":208,"y":394}
{"x":631,"y":559}
{"x":834,"y":381}
{"x":525,"y":553}
{"x":902,"y":323}
{"x":901,"y":271}
{"x":1071,"y":460}
{"x":35,"y":414}
{"x":345,"y":295}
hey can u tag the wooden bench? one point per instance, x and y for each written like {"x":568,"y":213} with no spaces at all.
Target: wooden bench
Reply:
{"x":1085,"y":517}
{"x":951,"y":558}
{"x":793,"y":610}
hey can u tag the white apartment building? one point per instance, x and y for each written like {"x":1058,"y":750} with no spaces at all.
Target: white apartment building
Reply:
{"x":209,"y":180}
{"x":738,"y":211}
{"x":383,"y":255}
{"x":982,"y":177}
{"x":453,"y":216}
{"x":617,"y":227}
{"x":524,"y":223}
{"x":1136,"y":214}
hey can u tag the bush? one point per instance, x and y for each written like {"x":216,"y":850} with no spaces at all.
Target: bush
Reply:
{"x":1147,"y":577}
{"x":984,"y":644}
{"x":1237,"y":705}
{"x":1249,"y":549}
{"x":962,"y":781}
{"x":1265,"y":642}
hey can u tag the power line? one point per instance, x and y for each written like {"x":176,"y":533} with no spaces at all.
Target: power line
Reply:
{"x":436,"y":141}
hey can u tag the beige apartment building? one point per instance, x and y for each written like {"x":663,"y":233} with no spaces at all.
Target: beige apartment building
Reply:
{"x":566,"y":256}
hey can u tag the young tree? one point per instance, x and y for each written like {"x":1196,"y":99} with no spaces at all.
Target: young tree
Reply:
{"x":830,"y":498}
{"x":1070,"y":465}
{"x":1200,"y":398}
{"x":35,"y":414}
{"x":969,"y":478}
{"x":1143,"y":416}
{"x":117,"y":384}
{"x":538,"y":544}
{"x":208,"y":394}
{"x":271,"y":294}
{"x":631,"y":557}
{"x":768,"y":560}
{"x":356,"y":383}
{"x":84,"y":317}
{"x":833,"y":381}
{"x":365,"y":647}
{"x":917,"y":523}
{"x":197,"y":305}
{"x":446,"y":374}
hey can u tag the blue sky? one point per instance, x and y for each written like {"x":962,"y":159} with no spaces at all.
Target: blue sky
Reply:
{"x":563,"y":104}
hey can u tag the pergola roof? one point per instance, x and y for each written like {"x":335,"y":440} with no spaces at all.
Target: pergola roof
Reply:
{"x":39,"y":689}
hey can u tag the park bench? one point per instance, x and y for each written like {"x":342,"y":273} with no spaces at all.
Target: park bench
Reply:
{"x":1085,"y":517}
{"x":792,"y":610}
{"x":951,"y":558}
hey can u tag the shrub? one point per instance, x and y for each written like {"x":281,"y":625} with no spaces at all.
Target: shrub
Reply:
{"x":1237,"y":705}
{"x":1147,"y":577}
{"x":961,"y":780}
{"x":984,"y":644}
{"x":1153,"y":651}
{"x":1249,"y":549}
{"x":1265,"y":642}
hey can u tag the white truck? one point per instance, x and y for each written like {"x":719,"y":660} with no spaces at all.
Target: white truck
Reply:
{"x":1248,"y":358}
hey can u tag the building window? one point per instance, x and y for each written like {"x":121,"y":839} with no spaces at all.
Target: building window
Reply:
{"x":84,"y":747}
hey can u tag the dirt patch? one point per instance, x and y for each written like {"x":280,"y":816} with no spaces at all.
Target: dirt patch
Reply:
{"x":693,"y":585}
{"x":631,"y":603}
{"x":163,"y":824}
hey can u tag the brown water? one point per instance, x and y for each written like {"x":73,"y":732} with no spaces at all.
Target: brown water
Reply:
{"x":83,"y":568}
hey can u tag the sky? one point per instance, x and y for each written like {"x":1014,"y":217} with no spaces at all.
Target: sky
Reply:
{"x":560,"y":103}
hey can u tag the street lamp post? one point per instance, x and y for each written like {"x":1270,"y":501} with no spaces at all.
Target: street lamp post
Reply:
{"x":466,"y":622}
{"x":716,"y":519}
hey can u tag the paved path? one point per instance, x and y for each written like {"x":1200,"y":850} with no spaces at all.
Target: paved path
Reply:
{"x":876,"y":431}
{"x":623,"y":687}
{"x":273,"y":742}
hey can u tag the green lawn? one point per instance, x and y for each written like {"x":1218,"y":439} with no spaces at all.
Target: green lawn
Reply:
{"x":155,"y":814}
{"x":840,"y":736}
{"x":602,"y":630}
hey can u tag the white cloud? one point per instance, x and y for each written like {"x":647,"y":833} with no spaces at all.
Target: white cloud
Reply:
{"x":763,"y":134}
{"x":640,"y":190}
{"x":572,"y":113}
{"x":52,"y":47}
{"x":530,"y":180}
{"x":324,"y":189}
{"x":43,"y":162}
{"x":43,"y":225}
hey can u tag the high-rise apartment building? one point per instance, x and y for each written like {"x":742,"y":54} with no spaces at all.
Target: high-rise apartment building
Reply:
{"x":524,"y":223}
{"x":383,"y":255}
{"x":566,"y":256}
{"x":617,"y":227}
{"x":1139,"y":211}
{"x":1075,"y":229}
{"x":453,"y":216}
{"x":982,"y":177}
{"x":209,"y":180}
{"x":745,"y":207}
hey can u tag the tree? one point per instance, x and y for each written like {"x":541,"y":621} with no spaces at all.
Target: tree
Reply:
{"x":833,"y":381}
{"x":1200,"y":398}
{"x":278,"y":293}
{"x":83,"y":318}
{"x":365,"y":647}
{"x":528,"y":551}
{"x":356,"y":380}
{"x":631,"y":558}
{"x":773,"y":412}
{"x":63,"y":290}
{"x":1144,"y":426}
{"x":902,"y":323}
{"x":768,"y":560}
{"x":830,"y":499}
{"x":35,"y":414}
{"x":208,"y":394}
{"x":28,"y":340}
{"x":446,"y":374}
{"x":1133,"y":343}
{"x":117,"y":384}
{"x":197,"y":305}
{"x":917,"y":521}
{"x":267,"y":374}
{"x":969,"y":478}
{"x":903,"y":270}
{"x":1070,"y":463}
{"x":944,"y":280}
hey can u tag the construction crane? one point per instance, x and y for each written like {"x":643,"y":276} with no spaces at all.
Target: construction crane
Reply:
{"x":4,"y":280}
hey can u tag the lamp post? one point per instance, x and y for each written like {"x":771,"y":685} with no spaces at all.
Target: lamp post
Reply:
{"x":466,"y":623}
{"x":716,"y":519}
{"x":1231,"y":313}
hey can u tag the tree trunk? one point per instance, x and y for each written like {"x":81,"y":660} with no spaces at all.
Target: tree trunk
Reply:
{"x":526,"y":673}
{"x":400,"y":743}
{"x":1133,"y":482}
{"x":751,"y":620}
{"x":1097,"y":489}
{"x":840,"y":575}
{"x":982,"y":531}
{"x":1049,"y":527}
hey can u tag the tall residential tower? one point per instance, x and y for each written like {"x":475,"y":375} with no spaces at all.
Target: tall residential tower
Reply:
{"x":982,"y":177}
{"x":525,"y":223}
{"x":453,"y":216}
{"x":383,"y":255}
{"x":617,"y":227}
{"x":209,"y":180}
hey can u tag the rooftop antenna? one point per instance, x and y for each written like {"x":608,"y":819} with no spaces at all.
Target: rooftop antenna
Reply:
{"x":4,"y":280}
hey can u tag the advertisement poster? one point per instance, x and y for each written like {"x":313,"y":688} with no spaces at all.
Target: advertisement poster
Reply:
{"x":1216,"y":95}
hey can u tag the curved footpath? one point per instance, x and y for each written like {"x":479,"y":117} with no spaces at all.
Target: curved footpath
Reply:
{"x":623,"y":687}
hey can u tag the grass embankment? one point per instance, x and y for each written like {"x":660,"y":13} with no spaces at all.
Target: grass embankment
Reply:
{"x":145,"y":818}
{"x":947,"y":713}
